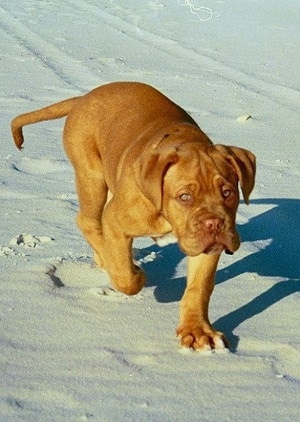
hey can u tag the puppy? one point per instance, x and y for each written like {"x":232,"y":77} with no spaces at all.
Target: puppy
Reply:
{"x":143,"y":167}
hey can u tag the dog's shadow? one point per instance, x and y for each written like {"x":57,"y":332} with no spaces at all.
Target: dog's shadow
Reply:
{"x":278,"y":229}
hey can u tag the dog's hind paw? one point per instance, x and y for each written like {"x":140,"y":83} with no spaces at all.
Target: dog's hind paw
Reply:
{"x":130,"y":284}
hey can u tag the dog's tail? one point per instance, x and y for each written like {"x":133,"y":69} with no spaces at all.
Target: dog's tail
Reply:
{"x":54,"y":111}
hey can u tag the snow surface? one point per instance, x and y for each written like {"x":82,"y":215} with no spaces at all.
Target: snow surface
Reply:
{"x":72,"y":349}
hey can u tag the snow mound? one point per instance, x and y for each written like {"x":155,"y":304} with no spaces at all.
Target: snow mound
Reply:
{"x":29,"y":240}
{"x":6,"y":251}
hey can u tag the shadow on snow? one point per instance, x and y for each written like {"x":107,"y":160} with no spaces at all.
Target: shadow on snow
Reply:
{"x":280,"y":226}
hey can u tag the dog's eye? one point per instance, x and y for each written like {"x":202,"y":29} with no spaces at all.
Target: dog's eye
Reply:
{"x":226,"y":193}
{"x":185,"y":198}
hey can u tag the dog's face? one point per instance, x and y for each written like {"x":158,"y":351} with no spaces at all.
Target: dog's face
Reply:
{"x":200,"y":200}
{"x":197,"y":192}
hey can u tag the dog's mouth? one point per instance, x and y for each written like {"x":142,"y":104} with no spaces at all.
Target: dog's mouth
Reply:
{"x":211,"y":249}
{"x":228,"y":242}
{"x":217,"y":249}
{"x":211,"y":245}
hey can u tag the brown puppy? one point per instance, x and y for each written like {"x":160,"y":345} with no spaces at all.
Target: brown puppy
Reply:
{"x":164,"y":177}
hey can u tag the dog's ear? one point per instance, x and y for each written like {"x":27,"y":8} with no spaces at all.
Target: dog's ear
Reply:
{"x":243,"y":162}
{"x":149,"y":171}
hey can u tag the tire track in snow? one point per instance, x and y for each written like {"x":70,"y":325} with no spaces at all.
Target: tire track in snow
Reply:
{"x":280,"y":94}
{"x":69,"y":70}
{"x":75,"y":74}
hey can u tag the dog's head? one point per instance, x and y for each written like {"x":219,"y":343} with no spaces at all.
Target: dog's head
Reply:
{"x":195,"y":188}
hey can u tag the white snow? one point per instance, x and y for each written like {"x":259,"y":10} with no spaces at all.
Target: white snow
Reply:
{"x":71,"y":348}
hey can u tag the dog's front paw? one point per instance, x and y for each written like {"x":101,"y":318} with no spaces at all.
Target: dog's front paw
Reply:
{"x":200,"y":337}
{"x":130,"y":284}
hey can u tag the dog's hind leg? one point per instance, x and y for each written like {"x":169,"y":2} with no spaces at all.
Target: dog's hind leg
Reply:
{"x":112,"y":248}
{"x":125,"y":275}
{"x":92,"y":194}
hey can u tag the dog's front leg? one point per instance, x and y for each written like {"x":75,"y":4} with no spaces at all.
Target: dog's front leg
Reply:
{"x":195,"y":330}
{"x":117,"y":249}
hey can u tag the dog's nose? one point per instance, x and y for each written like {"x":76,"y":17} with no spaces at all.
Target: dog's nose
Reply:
{"x":214,"y":224}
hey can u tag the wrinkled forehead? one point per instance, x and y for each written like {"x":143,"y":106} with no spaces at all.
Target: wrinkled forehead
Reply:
{"x":200,"y":164}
